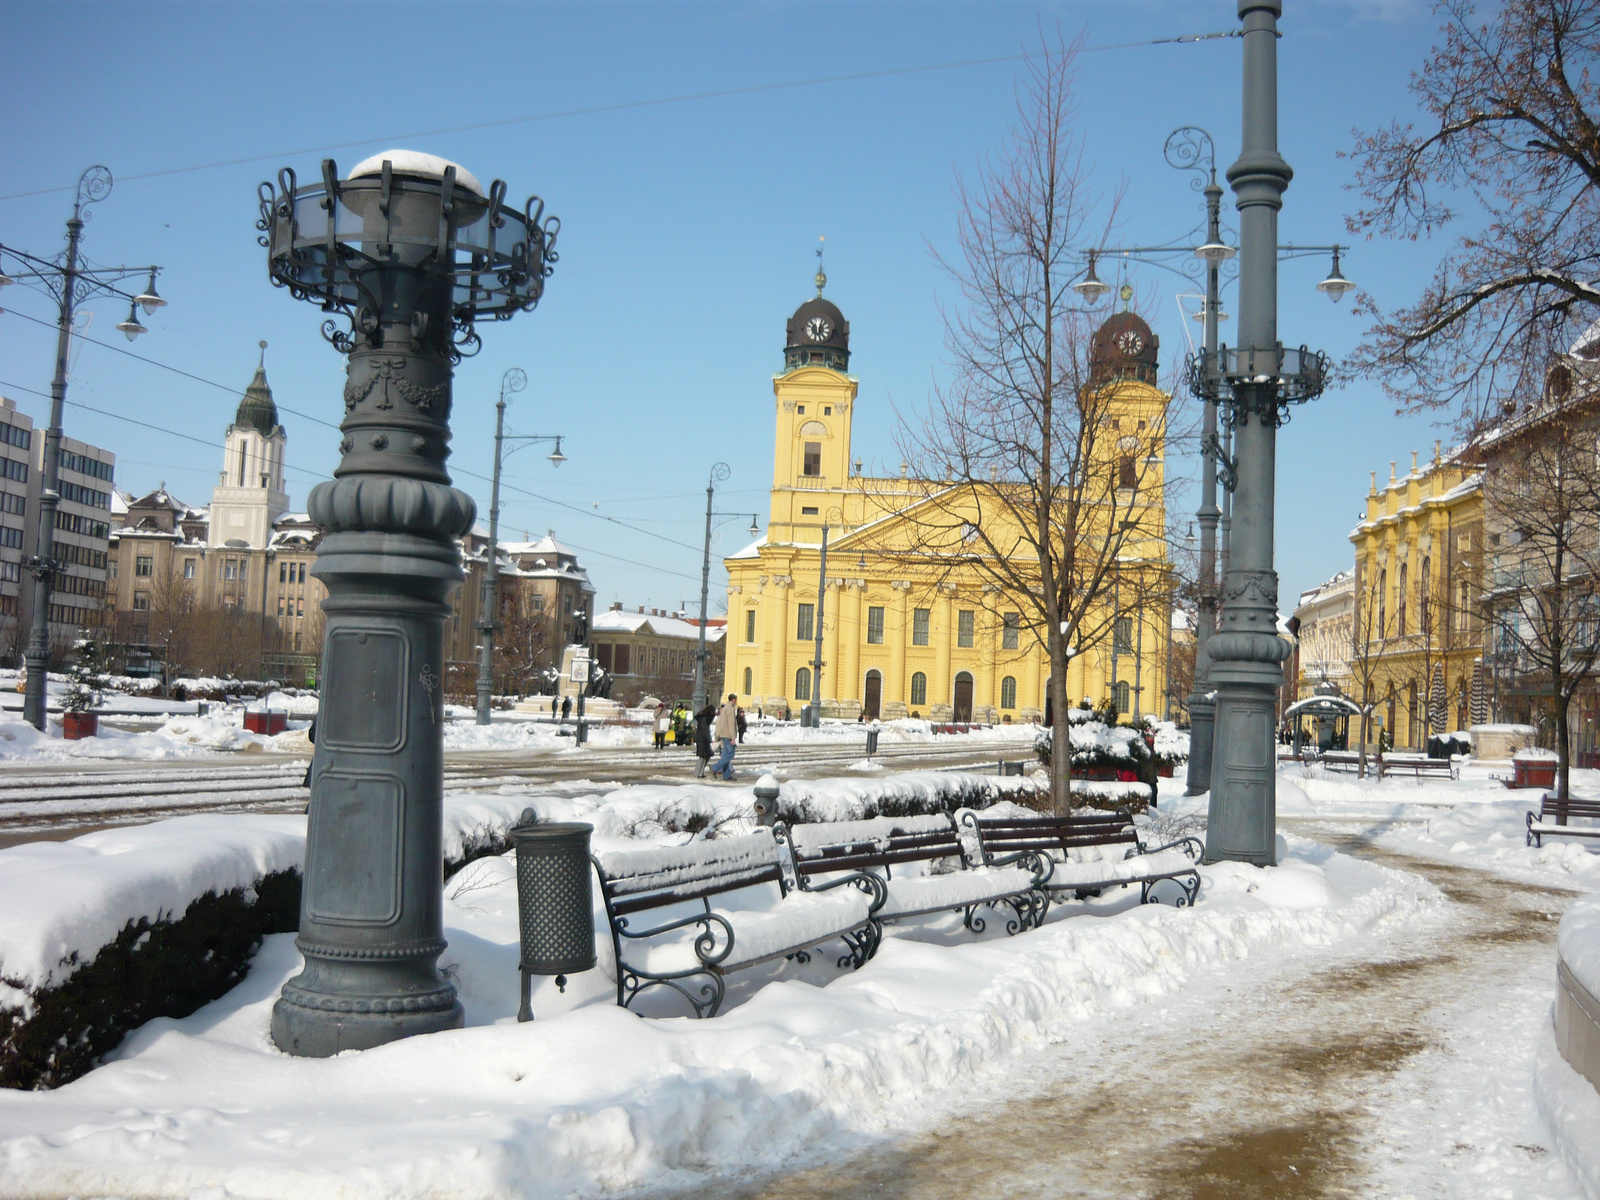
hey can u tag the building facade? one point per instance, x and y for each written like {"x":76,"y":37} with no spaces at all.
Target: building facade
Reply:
{"x":903,"y":635}
{"x":652,"y":652}
{"x":1416,"y":650}
{"x":1324,"y":634}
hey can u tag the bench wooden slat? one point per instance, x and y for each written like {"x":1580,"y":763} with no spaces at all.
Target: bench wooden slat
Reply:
{"x":1549,"y":806}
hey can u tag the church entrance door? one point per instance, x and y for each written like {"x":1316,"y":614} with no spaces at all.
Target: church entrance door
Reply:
{"x":873,"y":697}
{"x":963,"y":697}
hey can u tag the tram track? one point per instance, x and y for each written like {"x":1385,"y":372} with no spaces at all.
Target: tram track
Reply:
{"x":67,"y":799}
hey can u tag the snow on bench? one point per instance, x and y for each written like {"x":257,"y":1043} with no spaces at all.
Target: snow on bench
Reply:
{"x":693,"y":939}
{"x":1085,"y":852}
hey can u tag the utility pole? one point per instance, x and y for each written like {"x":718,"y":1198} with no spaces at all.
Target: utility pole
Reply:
{"x":719,"y":473}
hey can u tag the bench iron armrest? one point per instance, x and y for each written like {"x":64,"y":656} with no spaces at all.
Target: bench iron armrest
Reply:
{"x":704,"y":945}
{"x":865,"y":880}
{"x":1038,"y":862}
{"x":1191,"y":846}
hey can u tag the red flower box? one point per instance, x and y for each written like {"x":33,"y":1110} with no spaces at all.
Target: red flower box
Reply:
{"x":266,"y":722}
{"x":76,"y":725}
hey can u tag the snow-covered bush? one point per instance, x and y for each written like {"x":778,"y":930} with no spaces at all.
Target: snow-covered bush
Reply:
{"x":86,"y":678}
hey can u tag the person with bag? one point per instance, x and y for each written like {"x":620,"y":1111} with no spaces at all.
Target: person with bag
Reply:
{"x":663,"y":723}
{"x":702,"y":738}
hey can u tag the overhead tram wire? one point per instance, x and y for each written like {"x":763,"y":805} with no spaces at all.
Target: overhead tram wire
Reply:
{"x":459,"y":470}
{"x":627,"y":105}
{"x":17,"y":387}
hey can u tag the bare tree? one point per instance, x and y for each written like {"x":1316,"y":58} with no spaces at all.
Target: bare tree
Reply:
{"x":523,"y":646}
{"x":1033,"y":486}
{"x":1542,"y":503}
{"x":1512,"y":134}
{"x":1371,"y":638}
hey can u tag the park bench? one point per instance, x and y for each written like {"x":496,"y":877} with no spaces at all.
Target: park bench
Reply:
{"x":1060,"y":848}
{"x":1549,"y":807}
{"x":899,"y":851}
{"x":1419,"y":766}
{"x":1017,"y":767}
{"x":685,"y":937}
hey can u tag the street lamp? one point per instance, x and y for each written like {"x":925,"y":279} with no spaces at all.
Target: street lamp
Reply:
{"x":513,"y":381}
{"x":70,"y":283}
{"x":1263,"y":379}
{"x":811,"y":716}
{"x":719,"y":474}
{"x":410,"y":250}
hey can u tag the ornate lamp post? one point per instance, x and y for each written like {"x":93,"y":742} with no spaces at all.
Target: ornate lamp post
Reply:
{"x":70,"y":283}
{"x":1246,"y":653}
{"x":411,"y":250}
{"x":514,"y":380}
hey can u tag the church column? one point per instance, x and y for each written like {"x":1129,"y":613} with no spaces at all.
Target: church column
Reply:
{"x":894,"y":687}
{"x":778,"y":681}
{"x":987,"y":693}
{"x":849,"y":680}
{"x":943,"y":636}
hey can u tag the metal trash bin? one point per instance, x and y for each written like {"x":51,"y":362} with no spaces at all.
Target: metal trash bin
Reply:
{"x":555,"y":902}
{"x":872,"y":742}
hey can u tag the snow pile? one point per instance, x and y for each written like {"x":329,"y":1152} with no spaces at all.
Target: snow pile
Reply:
{"x":590,"y":1099}
{"x":61,"y":901}
{"x":1568,"y":1101}
{"x":1578,"y":942}
{"x":178,"y":737}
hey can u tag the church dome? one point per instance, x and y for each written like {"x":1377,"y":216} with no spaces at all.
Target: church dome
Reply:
{"x":818,"y":335}
{"x":1124,"y":348}
{"x":257,"y":409}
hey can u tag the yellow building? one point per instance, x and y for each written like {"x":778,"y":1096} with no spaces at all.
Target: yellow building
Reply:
{"x":1418,"y":638}
{"x":911,"y":632}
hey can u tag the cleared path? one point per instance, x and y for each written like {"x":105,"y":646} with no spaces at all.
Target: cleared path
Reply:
{"x":1399,"y":1068}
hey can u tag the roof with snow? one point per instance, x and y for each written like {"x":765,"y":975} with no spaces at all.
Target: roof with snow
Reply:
{"x":615,"y":621}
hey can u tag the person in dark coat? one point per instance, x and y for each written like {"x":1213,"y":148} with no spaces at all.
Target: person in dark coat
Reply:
{"x":702,"y":738}
{"x":743,"y":725}
{"x":566,"y":708}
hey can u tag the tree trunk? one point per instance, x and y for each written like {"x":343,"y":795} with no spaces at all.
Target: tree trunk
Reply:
{"x":1361,"y":763}
{"x":1060,"y":741}
{"x":1563,"y":757}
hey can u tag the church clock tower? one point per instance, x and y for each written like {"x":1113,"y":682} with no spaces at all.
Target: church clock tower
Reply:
{"x":812,"y":399}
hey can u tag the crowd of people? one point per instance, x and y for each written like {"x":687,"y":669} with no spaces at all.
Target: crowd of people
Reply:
{"x":722,"y":727}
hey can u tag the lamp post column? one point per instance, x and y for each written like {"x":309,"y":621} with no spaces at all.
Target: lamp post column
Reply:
{"x":1202,"y":708}
{"x":1246,"y":653}
{"x":719,"y":472}
{"x":489,"y":598}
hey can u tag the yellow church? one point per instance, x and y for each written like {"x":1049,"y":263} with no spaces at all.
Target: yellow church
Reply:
{"x":935,"y":640}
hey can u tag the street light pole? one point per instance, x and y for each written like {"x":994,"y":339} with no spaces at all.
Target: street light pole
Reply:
{"x":816,"y":654}
{"x":719,"y":473}
{"x":1246,"y":653}
{"x":70,"y":283}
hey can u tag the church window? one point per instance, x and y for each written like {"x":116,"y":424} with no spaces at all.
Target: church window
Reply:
{"x":1122,"y":638}
{"x":749,"y":681}
{"x":801,"y":409}
{"x":188,"y":568}
{"x":1124,"y":696}
{"x":1008,"y":692}
{"x":827,"y":410}
{"x":813,"y":458}
{"x":966,"y":624}
{"x":919,"y":628}
{"x":1011,"y":624}
{"x":802,"y":623}
{"x":1400,"y":603}
{"x":919,"y":688}
{"x":1127,"y":472}
{"x":807,"y":512}
{"x":144,"y":565}
{"x":802,"y":684}
{"x":875,"y":626}
{"x":749,"y":627}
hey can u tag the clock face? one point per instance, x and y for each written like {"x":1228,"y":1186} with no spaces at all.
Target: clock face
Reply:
{"x":1129,"y":342}
{"x":818,"y":329}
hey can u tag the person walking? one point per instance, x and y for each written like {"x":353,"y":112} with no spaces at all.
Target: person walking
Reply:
{"x":663,"y":721}
{"x":743,"y":725}
{"x":554,"y":708}
{"x":566,"y":707}
{"x":726,"y":731}
{"x":702,"y":738}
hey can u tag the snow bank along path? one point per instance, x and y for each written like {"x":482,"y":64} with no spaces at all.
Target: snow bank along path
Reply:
{"x":1567,"y":1084}
{"x":595,"y":1099}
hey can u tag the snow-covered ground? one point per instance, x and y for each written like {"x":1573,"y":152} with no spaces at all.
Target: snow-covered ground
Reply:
{"x":590,"y":1099}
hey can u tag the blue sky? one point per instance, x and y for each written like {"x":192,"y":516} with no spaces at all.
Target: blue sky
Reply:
{"x":688,"y":228}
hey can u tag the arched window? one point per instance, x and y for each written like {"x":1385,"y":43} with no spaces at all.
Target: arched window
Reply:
{"x":919,"y":688}
{"x":1124,"y":696}
{"x":1400,"y":604}
{"x":1382,"y":631}
{"x":749,"y":681}
{"x":802,"y":684}
{"x":1008,"y":692}
{"x":1424,"y":620}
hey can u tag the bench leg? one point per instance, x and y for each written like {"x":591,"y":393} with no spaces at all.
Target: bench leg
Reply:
{"x":632,"y":984}
{"x":863,"y":944}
